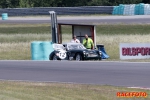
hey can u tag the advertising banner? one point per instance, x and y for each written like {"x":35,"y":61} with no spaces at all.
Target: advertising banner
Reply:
{"x":134,"y":50}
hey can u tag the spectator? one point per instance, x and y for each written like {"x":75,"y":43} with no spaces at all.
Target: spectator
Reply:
{"x":75,"y":40}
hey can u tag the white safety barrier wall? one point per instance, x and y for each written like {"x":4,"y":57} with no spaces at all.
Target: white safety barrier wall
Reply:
{"x":132,"y":9}
{"x":147,"y":9}
{"x":129,"y":9}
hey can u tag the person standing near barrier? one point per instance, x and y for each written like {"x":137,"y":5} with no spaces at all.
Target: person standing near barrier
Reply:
{"x":88,"y":42}
{"x":75,"y":40}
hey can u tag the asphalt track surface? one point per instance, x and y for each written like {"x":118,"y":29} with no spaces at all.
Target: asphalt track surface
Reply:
{"x":139,"y":19}
{"x":128,"y":74}
{"x":110,"y":73}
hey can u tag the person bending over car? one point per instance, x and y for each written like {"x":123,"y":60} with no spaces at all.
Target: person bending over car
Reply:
{"x":75,"y":40}
{"x":88,"y":42}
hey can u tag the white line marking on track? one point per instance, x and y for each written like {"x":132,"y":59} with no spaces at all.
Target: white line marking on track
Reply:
{"x":102,"y":61}
{"x":145,"y":88}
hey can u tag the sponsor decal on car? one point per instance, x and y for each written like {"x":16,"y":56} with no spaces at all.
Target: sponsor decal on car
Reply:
{"x":62,"y":54}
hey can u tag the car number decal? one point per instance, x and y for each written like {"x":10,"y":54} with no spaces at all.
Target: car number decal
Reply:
{"x":62,"y":54}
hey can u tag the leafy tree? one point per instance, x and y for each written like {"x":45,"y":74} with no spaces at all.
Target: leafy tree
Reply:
{"x":95,"y":2}
{"x":146,"y":1}
{"x":5,"y":3}
{"x":15,"y":3}
{"x":65,"y":3}
{"x":26,"y":3}
{"x":117,"y":2}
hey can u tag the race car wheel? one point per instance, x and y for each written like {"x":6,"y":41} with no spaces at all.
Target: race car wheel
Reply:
{"x":78,"y":57}
{"x":100,"y":58}
{"x":54,"y":57}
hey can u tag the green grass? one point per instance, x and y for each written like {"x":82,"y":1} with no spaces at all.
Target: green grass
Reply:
{"x":17,"y":37}
{"x":10,"y":90}
{"x":24,"y":28}
{"x":123,"y":29}
{"x":15,"y":42}
{"x":100,"y":29}
{"x":30,"y":29}
{"x":15,"y":51}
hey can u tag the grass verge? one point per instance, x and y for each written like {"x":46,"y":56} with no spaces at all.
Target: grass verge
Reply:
{"x":10,"y":90}
{"x":17,"y":37}
{"x":11,"y":46}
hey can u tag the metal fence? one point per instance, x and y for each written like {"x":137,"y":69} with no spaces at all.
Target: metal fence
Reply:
{"x":58,"y":10}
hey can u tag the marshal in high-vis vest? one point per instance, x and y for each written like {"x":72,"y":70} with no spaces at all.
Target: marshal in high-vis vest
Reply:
{"x":88,"y":42}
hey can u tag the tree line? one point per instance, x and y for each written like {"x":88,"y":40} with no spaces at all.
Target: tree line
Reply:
{"x":65,"y":3}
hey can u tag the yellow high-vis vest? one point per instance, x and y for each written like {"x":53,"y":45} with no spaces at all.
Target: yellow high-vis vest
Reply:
{"x":88,"y":43}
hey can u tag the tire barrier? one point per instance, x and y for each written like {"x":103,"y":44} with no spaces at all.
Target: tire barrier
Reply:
{"x":129,"y":9}
{"x":147,"y":9}
{"x":132,"y":9}
{"x":40,"y":50}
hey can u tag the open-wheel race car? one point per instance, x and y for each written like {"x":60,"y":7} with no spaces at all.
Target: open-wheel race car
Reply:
{"x":74,"y":51}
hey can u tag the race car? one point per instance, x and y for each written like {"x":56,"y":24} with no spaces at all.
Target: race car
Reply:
{"x":74,"y":51}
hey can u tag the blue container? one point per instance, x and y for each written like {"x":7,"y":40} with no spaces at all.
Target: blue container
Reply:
{"x":115,"y":10}
{"x":102,"y":49}
{"x":47,"y":49}
{"x":4,"y":16}
{"x":121,"y":9}
{"x":36,"y":50}
{"x":141,"y":9}
{"x":136,"y":9}
{"x":40,"y":50}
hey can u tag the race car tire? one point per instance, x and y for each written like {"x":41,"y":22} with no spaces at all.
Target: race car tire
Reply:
{"x":100,"y":58}
{"x":78,"y":57}
{"x":54,"y":57}
{"x":51,"y":56}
